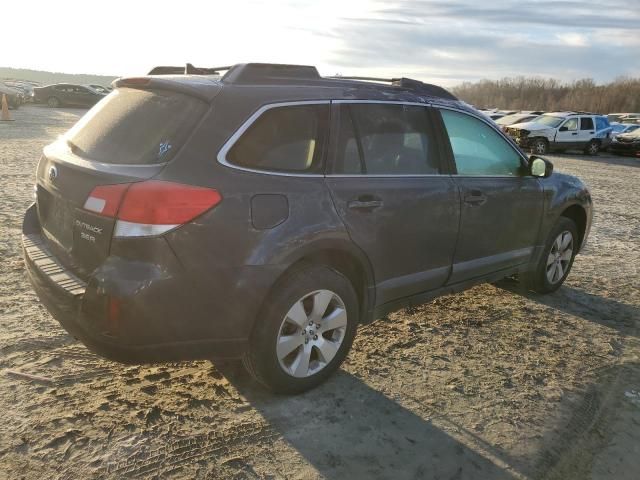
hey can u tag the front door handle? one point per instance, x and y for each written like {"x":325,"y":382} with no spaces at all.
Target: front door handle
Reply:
{"x":475,"y":198}
{"x":365,"y":202}
{"x":574,"y":133}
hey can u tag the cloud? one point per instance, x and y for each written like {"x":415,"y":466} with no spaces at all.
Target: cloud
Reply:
{"x":573,"y":39}
{"x":460,"y":40}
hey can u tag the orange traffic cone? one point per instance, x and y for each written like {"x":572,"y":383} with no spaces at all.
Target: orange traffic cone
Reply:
{"x":5,"y":110}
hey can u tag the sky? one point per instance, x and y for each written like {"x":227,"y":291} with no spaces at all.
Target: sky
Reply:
{"x":443,"y":42}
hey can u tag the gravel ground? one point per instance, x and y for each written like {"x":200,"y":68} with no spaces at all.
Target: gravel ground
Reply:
{"x":490,"y":383}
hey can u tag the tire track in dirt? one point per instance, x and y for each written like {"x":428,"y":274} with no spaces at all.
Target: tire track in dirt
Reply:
{"x":184,"y":451}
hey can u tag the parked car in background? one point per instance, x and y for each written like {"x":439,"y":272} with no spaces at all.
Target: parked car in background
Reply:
{"x":516,"y":118}
{"x":492,"y":114}
{"x":100,"y":88}
{"x":15,"y":97}
{"x":257,"y":215}
{"x":25,"y":89}
{"x":66,"y":94}
{"x":561,"y":131}
{"x":624,"y":117}
{"x":618,"y":128}
{"x":626,"y":143}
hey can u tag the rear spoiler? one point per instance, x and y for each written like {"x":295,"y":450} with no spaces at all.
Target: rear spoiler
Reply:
{"x":199,"y":87}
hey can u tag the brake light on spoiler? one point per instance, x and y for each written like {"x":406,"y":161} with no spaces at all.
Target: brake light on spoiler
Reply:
{"x":152,"y":207}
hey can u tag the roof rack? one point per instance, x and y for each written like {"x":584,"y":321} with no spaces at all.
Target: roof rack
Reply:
{"x":583,"y":113}
{"x":274,"y":73}
{"x":247,"y":73}
{"x":188,"y":69}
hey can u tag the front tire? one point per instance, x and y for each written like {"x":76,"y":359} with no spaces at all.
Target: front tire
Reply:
{"x":53,"y":102}
{"x":304,"y":331}
{"x":539,"y":146}
{"x":592,"y":148}
{"x":557,"y":258}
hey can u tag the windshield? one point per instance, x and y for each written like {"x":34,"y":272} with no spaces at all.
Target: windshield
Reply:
{"x":549,"y":120}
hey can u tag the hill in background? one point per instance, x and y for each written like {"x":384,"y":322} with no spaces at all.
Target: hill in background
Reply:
{"x":46,"y":78}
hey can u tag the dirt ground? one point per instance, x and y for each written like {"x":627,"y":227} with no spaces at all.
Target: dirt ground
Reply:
{"x":491,"y":383}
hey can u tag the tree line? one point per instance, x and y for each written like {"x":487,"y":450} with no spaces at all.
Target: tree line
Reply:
{"x":523,"y":93}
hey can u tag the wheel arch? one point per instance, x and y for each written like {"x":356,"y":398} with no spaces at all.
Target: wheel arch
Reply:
{"x":342,"y":256}
{"x":578,"y":215}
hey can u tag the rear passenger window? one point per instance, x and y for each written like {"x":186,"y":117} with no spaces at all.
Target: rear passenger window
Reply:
{"x":477,"y":148}
{"x":287,"y":139}
{"x":385,"y":139}
{"x":586,"y":123}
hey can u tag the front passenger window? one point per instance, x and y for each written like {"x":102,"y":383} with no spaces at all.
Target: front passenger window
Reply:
{"x":478,"y":149}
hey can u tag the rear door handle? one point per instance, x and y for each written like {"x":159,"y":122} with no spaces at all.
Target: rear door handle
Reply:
{"x":475,"y":197}
{"x":365,"y":202}
{"x":574,"y":133}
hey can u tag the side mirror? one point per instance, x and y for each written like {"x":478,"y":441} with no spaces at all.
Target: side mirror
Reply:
{"x":540,"y":167}
{"x":563,"y":129}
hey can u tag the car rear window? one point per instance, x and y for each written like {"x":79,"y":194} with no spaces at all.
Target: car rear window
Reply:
{"x":132,"y":126}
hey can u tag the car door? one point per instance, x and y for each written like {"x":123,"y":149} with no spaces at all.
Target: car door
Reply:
{"x":84,"y":96}
{"x":501,"y":205}
{"x":387,"y":183}
{"x":567,"y":135}
{"x":68,"y":97}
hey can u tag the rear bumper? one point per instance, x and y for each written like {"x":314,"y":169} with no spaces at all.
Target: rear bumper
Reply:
{"x":128,"y":312}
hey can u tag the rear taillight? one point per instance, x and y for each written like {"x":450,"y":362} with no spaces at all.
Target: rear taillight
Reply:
{"x":105,"y":199}
{"x":151,"y":207}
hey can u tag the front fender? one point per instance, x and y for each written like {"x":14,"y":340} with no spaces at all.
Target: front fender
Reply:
{"x":561,"y":192}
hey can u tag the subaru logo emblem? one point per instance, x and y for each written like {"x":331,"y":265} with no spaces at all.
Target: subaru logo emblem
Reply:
{"x":53,"y":173}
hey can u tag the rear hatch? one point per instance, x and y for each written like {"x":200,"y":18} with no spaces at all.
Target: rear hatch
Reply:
{"x":127,"y":137}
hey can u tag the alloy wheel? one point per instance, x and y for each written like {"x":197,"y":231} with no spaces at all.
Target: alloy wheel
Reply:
{"x":559,"y":257}
{"x":311,"y":333}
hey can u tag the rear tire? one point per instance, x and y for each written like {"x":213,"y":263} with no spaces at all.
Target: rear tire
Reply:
{"x":557,"y":258}
{"x":304,"y":331}
{"x":592,"y":148}
{"x":539,"y":146}
{"x":53,"y":102}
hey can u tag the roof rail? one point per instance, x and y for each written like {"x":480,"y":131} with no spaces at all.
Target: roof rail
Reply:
{"x":368,"y":79}
{"x":415,"y":86}
{"x":188,"y":69}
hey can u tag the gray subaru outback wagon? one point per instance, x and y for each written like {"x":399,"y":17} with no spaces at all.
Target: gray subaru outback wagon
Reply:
{"x":266,"y":212}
